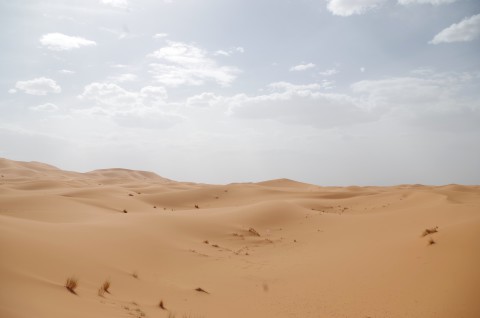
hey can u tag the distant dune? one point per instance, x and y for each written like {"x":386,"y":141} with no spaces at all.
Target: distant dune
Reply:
{"x":277,"y":248}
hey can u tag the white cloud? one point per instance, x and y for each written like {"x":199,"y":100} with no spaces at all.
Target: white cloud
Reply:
{"x":350,"y":7}
{"x":423,"y":71}
{"x":12,"y":91}
{"x":66,"y":72}
{"x":127,"y":77}
{"x":146,"y":108}
{"x":238,"y":49}
{"x":221,"y":52}
{"x":38,"y":86}
{"x":404,"y":91}
{"x":115,"y":98}
{"x":119,"y":34}
{"x":186,"y":64}
{"x":434,"y":2}
{"x":427,"y":100}
{"x":62,"y":42}
{"x":160,"y":35}
{"x":205,"y":99}
{"x":289,"y":87}
{"x":121,"y":4}
{"x":153,"y":95}
{"x":302,"y":67}
{"x":181,"y":53}
{"x":119,"y":66}
{"x":466,"y":30}
{"x":47,"y":107}
{"x":299,"y":104}
{"x":109,"y":95}
{"x":329,"y":72}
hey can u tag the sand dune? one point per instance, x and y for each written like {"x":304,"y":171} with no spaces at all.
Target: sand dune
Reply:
{"x":277,"y":248}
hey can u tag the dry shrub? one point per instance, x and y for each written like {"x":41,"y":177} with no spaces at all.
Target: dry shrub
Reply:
{"x":431,"y":241}
{"x":430,"y":231}
{"x":161,"y":305}
{"x":201,"y":290}
{"x":71,"y":284}
{"x":135,"y":274}
{"x":104,"y":288}
{"x":253,"y":231}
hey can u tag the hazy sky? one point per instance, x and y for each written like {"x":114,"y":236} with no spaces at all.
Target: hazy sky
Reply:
{"x":338,"y":92}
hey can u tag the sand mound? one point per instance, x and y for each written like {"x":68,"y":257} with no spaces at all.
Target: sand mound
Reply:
{"x":124,"y":175}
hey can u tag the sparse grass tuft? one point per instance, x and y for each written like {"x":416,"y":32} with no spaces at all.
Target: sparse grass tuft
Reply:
{"x":431,"y":241}
{"x":196,"y":206}
{"x":430,"y":231}
{"x":71,"y":284}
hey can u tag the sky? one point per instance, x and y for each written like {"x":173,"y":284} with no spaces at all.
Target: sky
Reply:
{"x":330,"y":92}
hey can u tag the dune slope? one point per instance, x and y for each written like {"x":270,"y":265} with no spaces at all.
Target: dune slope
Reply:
{"x":278,"y":248}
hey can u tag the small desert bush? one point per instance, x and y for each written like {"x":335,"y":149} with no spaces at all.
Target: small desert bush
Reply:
{"x":201,"y":290}
{"x":430,"y":231}
{"x":161,"y":305}
{"x":71,"y":284}
{"x":253,"y":231}
{"x":135,"y":274}
{"x":431,"y":241}
{"x":104,"y":288}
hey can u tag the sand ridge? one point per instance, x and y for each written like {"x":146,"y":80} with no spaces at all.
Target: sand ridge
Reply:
{"x":278,"y":248}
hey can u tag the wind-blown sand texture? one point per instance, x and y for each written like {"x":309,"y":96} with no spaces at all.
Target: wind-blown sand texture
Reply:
{"x":271,"y":249}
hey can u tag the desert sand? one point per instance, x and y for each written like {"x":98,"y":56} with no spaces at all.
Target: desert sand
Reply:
{"x":278,"y":248}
